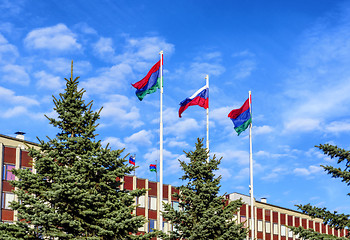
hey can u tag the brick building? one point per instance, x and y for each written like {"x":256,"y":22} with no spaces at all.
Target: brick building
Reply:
{"x":13,"y":154}
{"x":271,"y":221}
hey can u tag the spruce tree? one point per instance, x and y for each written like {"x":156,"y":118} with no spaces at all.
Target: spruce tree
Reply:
{"x":333,"y":219}
{"x":75,"y":191}
{"x":203,"y":214}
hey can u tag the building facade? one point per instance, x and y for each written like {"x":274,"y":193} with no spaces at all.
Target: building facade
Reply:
{"x":271,"y":221}
{"x":13,"y":155}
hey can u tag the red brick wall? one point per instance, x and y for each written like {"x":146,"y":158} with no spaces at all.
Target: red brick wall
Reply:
{"x":311,"y":224}
{"x":7,"y":215}
{"x":267,"y":215}
{"x":10,"y":155}
{"x":174,"y":190}
{"x":26,"y":161}
{"x":259,"y":213}
{"x":275,"y":217}
{"x":140,"y":183}
{"x":152,"y":188}
{"x":283,"y":219}
{"x":243,"y":211}
{"x":297,"y":222}
{"x":165,"y":191}
{"x":128,"y":183}
{"x":290,"y":220}
{"x":152,"y":214}
{"x":140,"y":211}
{"x":6,"y":186}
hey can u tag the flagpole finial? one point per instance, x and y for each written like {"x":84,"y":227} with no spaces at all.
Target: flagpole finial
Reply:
{"x":161,"y":52}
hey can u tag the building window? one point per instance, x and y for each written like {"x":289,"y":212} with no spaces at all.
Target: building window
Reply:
{"x":290,"y":233}
{"x":234,"y":218}
{"x":6,"y":199}
{"x":7,"y":175}
{"x":151,"y":225}
{"x":275,"y":228}
{"x":152,"y":203}
{"x":260,"y":225}
{"x":142,"y":229}
{"x":283,"y":230}
{"x":141,"y":201}
{"x":176,"y":206}
{"x":244,"y":221}
{"x":267,"y":227}
{"x":165,"y":227}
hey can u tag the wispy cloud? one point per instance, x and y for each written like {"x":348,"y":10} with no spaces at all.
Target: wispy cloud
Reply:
{"x":8,"y":52}
{"x":120,"y":110}
{"x":103,"y":48}
{"x":9,"y":96}
{"x":142,"y":137}
{"x":48,"y":81}
{"x":319,"y":85}
{"x":55,"y":38}
{"x":15,"y":74}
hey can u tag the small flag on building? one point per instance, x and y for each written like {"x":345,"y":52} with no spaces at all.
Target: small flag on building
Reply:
{"x":241,"y":117}
{"x":149,"y":83}
{"x":200,"y":98}
{"x":132,"y":160}
{"x":153,"y":168}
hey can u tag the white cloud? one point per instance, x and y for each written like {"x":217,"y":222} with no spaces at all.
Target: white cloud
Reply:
{"x":85,"y":28}
{"x":103,"y":48}
{"x":310,"y":171}
{"x":114,"y":142}
{"x":8,"y":96}
{"x":63,"y":66}
{"x":176,"y":143}
{"x":319,"y":85}
{"x":234,"y":156}
{"x":258,"y":130}
{"x":244,"y":68}
{"x":48,"y":81}
{"x":225,"y":173}
{"x":120,"y":110}
{"x":268,"y":155}
{"x":15,"y":74}
{"x":22,"y":111}
{"x":109,"y":79}
{"x":58,"y":37}
{"x":8,"y":52}
{"x":302,"y":125}
{"x":219,"y":115}
{"x":182,"y":128}
{"x":146,"y":48}
{"x":142,"y":137}
{"x":337,"y":127}
{"x":275,"y":173}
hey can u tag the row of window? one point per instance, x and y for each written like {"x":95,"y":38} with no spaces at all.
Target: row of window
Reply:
{"x":152,"y":225}
{"x":7,"y":174}
{"x":152,"y":203}
{"x":275,"y":229}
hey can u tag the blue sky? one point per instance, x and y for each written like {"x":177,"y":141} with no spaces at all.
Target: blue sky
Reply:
{"x":293,"y":55}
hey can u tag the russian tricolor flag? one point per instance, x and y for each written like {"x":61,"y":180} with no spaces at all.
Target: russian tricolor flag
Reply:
{"x":149,"y":83}
{"x":132,"y":160}
{"x":200,"y":98}
{"x":241,"y":117}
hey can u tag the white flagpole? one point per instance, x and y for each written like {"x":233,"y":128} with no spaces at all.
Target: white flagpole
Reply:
{"x":207,"y":83}
{"x":160,"y":220}
{"x":251,"y":172}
